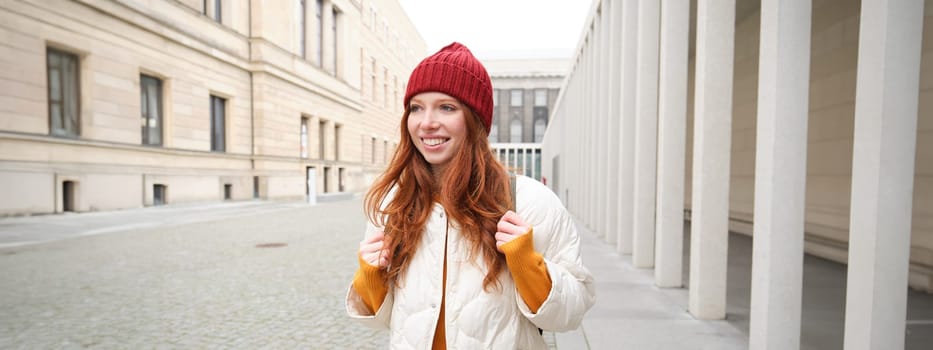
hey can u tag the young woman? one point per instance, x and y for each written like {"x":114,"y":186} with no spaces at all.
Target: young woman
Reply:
{"x":444,"y":261}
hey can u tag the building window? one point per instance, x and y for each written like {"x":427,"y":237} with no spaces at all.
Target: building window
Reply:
{"x":304,"y":137}
{"x":540,"y":127}
{"x":337,"y":131}
{"x":217,"y":13}
{"x":494,"y":129}
{"x":228,"y":192}
{"x":326,"y":179}
{"x":515,"y":130}
{"x":151,"y":109}
{"x":321,"y":127}
{"x":374,"y":150}
{"x":395,"y":92}
{"x":333,"y":28}
{"x":495,"y":97}
{"x":319,"y":15}
{"x":516,"y":98}
{"x":301,"y":18}
{"x":494,"y":132}
{"x":372,"y":75}
{"x":362,"y":74}
{"x":218,"y":107}
{"x":64,"y":94}
{"x":540,"y":98}
{"x":385,"y":87}
{"x":385,"y":152}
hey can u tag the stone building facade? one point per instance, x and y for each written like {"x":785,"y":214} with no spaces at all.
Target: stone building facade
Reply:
{"x":121,"y":104}
{"x":524,"y":92}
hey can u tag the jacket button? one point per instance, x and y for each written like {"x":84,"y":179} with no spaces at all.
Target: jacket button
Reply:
{"x":442,"y":215}
{"x":433,"y":305}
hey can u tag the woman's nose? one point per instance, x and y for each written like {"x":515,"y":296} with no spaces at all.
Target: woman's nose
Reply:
{"x":430,"y":120}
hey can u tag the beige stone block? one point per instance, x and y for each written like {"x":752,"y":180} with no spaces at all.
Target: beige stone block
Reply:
{"x":925,"y":111}
{"x":926,"y":70}
{"x":844,"y":58}
{"x":17,"y":122}
{"x":830,"y":195}
{"x":743,"y":140}
{"x":33,"y":192}
{"x":833,"y":90}
{"x":112,"y":191}
{"x":25,"y":107}
{"x":744,"y":115}
{"x":850,"y":32}
{"x":927,"y":39}
{"x":115,"y":122}
{"x":831,"y":157}
{"x":828,"y":39}
{"x":21,"y":40}
{"x":833,"y":12}
{"x":742,"y":194}
{"x":24,"y":90}
{"x":832,"y":123}
{"x":827,"y":222}
{"x":924,"y":159}
{"x":743,"y":163}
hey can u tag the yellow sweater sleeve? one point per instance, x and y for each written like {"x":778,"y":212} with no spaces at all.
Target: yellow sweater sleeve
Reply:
{"x":528,"y":270}
{"x":369,"y":284}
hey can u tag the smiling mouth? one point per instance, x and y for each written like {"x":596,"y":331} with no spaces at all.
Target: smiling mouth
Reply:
{"x":434,"y":141}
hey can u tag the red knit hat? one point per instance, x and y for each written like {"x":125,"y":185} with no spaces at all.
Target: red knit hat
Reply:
{"x":454,"y":71}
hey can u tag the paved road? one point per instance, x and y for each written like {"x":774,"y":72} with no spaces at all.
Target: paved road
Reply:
{"x":184,"y":283}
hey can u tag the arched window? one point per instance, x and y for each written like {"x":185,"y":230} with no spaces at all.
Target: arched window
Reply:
{"x":516,"y":131}
{"x":540,"y":126}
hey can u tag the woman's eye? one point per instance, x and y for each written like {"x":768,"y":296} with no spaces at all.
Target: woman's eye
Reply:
{"x":414,"y":108}
{"x":448,"y":108}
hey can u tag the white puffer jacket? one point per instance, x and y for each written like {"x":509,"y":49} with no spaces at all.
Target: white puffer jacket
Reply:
{"x":475,"y":319}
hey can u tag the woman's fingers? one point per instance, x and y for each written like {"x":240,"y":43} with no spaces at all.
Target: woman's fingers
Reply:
{"x":512,"y":223}
{"x":372,"y":250}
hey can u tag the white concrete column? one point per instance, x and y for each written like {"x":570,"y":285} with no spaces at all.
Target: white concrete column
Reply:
{"x":780,"y":174}
{"x":612,"y":122}
{"x":646,"y":133}
{"x":712,"y":128}
{"x":627,"y":126}
{"x":593,"y":170}
{"x":672,"y":119}
{"x":612,"y":125}
{"x":886,"y":98}
{"x":587,"y":153}
{"x":605,"y":30}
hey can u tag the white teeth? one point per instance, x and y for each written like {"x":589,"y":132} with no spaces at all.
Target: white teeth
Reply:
{"x":433,"y":142}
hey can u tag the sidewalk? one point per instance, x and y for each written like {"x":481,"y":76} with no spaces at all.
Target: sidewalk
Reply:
{"x":631,"y":313}
{"x":26,"y":230}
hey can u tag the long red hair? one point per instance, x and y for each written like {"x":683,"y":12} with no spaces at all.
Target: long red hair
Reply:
{"x":474,"y":190}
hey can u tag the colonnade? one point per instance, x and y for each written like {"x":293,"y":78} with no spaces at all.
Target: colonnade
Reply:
{"x":618,"y":134}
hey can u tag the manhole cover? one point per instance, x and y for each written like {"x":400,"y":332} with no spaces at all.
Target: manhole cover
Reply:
{"x":271,"y":245}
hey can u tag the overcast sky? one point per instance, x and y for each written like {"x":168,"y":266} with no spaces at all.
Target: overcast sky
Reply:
{"x":498,"y":28}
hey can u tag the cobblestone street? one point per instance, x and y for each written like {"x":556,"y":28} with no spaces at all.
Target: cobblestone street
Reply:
{"x":196,"y":285}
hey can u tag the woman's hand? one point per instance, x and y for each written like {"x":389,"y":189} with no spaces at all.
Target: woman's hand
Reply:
{"x":374,"y":251}
{"x":509,"y":227}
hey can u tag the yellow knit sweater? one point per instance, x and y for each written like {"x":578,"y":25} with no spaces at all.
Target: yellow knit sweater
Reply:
{"x":525,"y":264}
